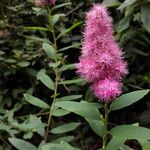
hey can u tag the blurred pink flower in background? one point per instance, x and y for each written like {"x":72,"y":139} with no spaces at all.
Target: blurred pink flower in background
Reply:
{"x":43,"y":3}
{"x":101,"y":61}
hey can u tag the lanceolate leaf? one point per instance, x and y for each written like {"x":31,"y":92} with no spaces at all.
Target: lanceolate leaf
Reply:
{"x":35,"y":101}
{"x":69,"y":98}
{"x":128,"y":99}
{"x":45,"y":79}
{"x":65,"y":128}
{"x":131,"y":132}
{"x":21,"y":144}
{"x":49,"y":50}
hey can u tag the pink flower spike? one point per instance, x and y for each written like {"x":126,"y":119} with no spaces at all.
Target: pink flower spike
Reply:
{"x":107,"y":90}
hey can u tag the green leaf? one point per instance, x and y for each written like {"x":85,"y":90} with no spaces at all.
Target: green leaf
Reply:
{"x":97,"y":126}
{"x":49,"y":50}
{"x":37,"y":125}
{"x":115,"y":143}
{"x":69,"y":98}
{"x":62,"y":146}
{"x":131,"y":132}
{"x":69,"y":47}
{"x":21,"y":144}
{"x":65,"y":138}
{"x":65,"y":128}
{"x":124,"y":24}
{"x":145,"y":17}
{"x":126,"y":3}
{"x":23,"y":63}
{"x":45,"y":79}
{"x":71,"y":81}
{"x":7,"y":129}
{"x":56,"y":17}
{"x":86,"y":110}
{"x":67,"y":67}
{"x":112,"y":3}
{"x":60,"y":112}
{"x":128,"y":99}
{"x":69,"y":29}
{"x":35,"y":28}
{"x":145,"y":145}
{"x":36,"y":101}
{"x":61,"y":5}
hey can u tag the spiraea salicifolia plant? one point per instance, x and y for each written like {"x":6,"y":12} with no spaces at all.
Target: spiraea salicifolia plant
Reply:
{"x":101,"y":64}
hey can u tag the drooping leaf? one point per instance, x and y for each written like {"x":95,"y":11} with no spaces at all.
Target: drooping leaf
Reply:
{"x":50,"y":51}
{"x":45,"y":79}
{"x":128,"y":99}
{"x":36,"y":101}
{"x":97,"y":126}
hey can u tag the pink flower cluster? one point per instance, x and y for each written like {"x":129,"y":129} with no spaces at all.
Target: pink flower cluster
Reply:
{"x":101,"y":62}
{"x":43,"y":3}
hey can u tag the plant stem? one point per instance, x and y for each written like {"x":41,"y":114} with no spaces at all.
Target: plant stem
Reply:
{"x":52,"y":106}
{"x":105,"y":126}
{"x":56,"y":78}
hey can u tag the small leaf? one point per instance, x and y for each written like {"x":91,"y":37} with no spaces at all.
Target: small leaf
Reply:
{"x":71,"y":81}
{"x":128,"y":99}
{"x":45,"y":79}
{"x":65,"y":128}
{"x":23,"y":63}
{"x":69,"y":47}
{"x":112,"y":3}
{"x":36,"y":101}
{"x":56,"y":17}
{"x":35,"y":28}
{"x":65,"y":138}
{"x":50,"y":51}
{"x":69,"y":98}
{"x":37,"y":125}
{"x":145,"y":17}
{"x":69,"y":29}
{"x":21,"y":144}
{"x":67,"y":67}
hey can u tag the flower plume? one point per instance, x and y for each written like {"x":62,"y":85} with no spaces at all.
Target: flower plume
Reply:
{"x":101,"y":61}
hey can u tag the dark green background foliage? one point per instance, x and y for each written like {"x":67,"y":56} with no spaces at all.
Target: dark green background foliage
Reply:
{"x":22,"y":56}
